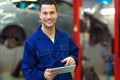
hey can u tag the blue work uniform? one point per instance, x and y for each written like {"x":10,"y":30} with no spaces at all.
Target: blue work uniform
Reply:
{"x":41,"y":53}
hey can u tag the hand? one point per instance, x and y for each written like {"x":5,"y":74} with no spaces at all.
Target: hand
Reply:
{"x":50,"y":75}
{"x":69,"y":61}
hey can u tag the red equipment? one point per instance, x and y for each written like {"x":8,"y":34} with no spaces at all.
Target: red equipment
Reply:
{"x":117,"y":41}
{"x":77,"y":6}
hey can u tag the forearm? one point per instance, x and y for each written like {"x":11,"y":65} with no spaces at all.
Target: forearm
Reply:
{"x":30,"y":73}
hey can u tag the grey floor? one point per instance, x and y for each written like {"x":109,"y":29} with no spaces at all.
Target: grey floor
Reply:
{"x":7,"y":76}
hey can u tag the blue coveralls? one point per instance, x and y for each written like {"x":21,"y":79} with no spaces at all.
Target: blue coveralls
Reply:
{"x":41,"y":53}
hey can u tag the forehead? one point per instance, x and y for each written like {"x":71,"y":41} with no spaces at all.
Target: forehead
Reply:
{"x":46,"y":7}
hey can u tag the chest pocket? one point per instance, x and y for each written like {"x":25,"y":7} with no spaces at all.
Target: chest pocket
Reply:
{"x":44,"y":56}
{"x":64,"y":51}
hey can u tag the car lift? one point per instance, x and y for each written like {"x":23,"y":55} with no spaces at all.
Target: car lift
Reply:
{"x":76,"y":37}
{"x":117,"y":41}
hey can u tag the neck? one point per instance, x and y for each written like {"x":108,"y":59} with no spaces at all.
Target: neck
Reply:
{"x":50,"y":32}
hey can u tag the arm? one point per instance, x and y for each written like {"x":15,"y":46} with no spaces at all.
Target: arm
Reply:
{"x":74,"y":51}
{"x":29,"y":64}
{"x":73,"y":58}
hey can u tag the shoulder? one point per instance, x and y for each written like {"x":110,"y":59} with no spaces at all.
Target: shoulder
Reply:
{"x":32,"y":38}
{"x":63,"y":33}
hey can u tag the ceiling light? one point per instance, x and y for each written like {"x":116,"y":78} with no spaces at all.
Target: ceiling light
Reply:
{"x":107,"y":11}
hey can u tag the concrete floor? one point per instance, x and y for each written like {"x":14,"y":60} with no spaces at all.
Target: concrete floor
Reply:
{"x":7,"y":76}
{"x":103,"y":77}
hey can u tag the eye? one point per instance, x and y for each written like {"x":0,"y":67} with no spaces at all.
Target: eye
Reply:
{"x":52,"y":12}
{"x":45,"y":13}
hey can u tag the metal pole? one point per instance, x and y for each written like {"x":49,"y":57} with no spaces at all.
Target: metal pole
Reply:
{"x":116,"y":41}
{"x":76,"y":37}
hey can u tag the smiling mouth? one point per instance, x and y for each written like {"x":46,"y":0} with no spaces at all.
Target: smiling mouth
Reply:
{"x":49,"y":22}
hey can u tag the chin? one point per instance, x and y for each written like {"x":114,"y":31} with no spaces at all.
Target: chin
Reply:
{"x":49,"y":26}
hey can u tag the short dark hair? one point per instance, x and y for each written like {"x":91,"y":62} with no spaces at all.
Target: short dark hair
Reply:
{"x":50,"y":2}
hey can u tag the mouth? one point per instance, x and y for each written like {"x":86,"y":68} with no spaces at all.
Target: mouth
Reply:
{"x":49,"y":22}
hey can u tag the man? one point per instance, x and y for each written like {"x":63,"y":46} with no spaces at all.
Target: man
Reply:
{"x":48,"y":47}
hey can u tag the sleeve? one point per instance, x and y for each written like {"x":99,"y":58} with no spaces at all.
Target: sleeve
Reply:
{"x":29,"y":69}
{"x":74,"y":51}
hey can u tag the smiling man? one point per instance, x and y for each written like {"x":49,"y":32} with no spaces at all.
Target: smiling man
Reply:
{"x":48,"y":47}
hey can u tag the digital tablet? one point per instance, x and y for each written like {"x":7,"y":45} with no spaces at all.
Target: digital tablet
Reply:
{"x":64,"y":69}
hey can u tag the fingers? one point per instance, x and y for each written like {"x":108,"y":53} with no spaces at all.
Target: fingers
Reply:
{"x":50,"y":75}
{"x":47,"y":74}
{"x":69,"y":61}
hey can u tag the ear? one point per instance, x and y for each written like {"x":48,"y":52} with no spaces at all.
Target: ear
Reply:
{"x":39,"y":15}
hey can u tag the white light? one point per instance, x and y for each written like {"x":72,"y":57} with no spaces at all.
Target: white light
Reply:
{"x":3,"y":3}
{"x":87,"y":10}
{"x":107,"y":11}
{"x":1,"y":11}
{"x":22,"y":0}
{"x":75,"y":29}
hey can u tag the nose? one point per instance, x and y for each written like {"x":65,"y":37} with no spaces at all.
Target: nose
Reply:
{"x":49,"y":16}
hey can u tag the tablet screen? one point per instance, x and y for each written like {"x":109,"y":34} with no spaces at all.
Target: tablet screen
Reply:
{"x":64,"y":69}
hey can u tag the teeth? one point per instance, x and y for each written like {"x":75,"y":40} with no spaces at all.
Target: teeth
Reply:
{"x":49,"y":21}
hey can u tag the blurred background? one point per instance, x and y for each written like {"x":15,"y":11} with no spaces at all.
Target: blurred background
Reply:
{"x":19,"y":19}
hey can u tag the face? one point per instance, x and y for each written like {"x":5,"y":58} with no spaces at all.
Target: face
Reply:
{"x":48,"y":15}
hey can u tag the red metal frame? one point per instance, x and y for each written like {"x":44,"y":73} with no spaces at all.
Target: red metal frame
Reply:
{"x":76,"y":8}
{"x":116,"y":41}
